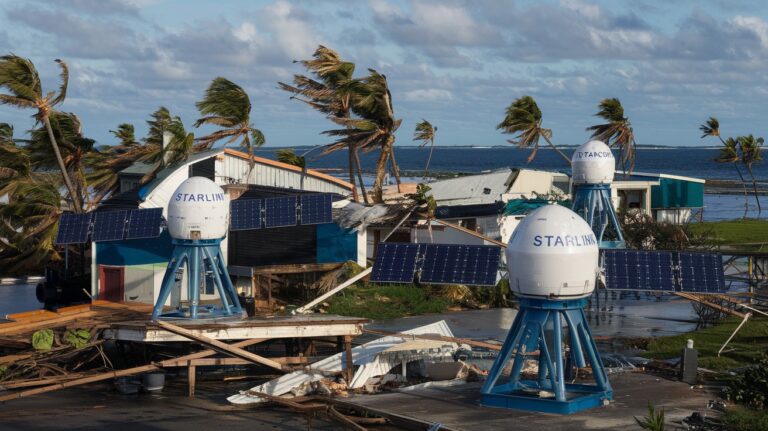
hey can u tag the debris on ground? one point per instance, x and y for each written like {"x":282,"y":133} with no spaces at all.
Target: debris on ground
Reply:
{"x":373,"y":359}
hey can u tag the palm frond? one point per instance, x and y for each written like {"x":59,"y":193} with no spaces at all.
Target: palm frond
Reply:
{"x":64,"y":83}
{"x":225,"y":99}
{"x":710,"y":128}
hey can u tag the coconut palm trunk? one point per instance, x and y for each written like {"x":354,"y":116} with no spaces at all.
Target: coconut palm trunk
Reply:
{"x":395,"y":169}
{"x":429,"y":158}
{"x":360,"y":175}
{"x":351,"y":166}
{"x":754,"y":188}
{"x":744,"y":187}
{"x":562,"y":154}
{"x":64,"y":173}
{"x":381,"y":170}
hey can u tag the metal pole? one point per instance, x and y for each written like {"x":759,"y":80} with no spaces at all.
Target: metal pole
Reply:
{"x":746,"y":317}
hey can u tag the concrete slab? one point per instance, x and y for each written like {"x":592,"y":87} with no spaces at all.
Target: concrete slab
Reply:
{"x":457,"y":407}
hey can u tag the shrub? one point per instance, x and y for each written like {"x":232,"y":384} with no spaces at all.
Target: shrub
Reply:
{"x":751,"y":388}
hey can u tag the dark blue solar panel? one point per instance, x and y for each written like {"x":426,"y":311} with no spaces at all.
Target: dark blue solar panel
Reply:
{"x":144,"y":223}
{"x":638,"y":270}
{"x":245,"y":214}
{"x":316,"y":209}
{"x":73,"y":228}
{"x":395,"y":262}
{"x":460,"y":264}
{"x":109,"y":226}
{"x":280,"y":211}
{"x":701,"y":272}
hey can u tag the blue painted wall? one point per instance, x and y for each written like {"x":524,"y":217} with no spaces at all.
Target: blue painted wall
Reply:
{"x":674,"y":193}
{"x":135,"y":251}
{"x":335,"y":244}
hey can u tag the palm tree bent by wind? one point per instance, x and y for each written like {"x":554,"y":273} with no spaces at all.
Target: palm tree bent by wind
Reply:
{"x":19,"y":76}
{"x":425,"y":133}
{"x":523,"y":119}
{"x":729,"y":152}
{"x":330,"y":92}
{"x":228,"y":106}
{"x":616,"y":132}
{"x":751,"y":153}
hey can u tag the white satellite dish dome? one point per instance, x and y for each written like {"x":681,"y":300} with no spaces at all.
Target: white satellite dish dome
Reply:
{"x":198,"y":209}
{"x":593,"y":163}
{"x":553,"y":254}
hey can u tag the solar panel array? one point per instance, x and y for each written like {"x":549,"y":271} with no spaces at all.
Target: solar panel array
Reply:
{"x":664,"y":271}
{"x":245,"y":214}
{"x":316,"y":209}
{"x":73,"y":228}
{"x":280,"y":212}
{"x":436,"y":263}
{"x":109,"y":226}
{"x":144,"y":223}
{"x":460,"y":264}
{"x":395,"y":262}
{"x":701,"y":272}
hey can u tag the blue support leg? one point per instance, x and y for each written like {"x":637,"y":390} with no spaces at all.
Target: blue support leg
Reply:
{"x":169,"y":280}
{"x":217,"y":281}
{"x":557,"y":338}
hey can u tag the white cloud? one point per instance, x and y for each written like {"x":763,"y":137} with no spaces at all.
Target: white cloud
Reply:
{"x":755,"y":25}
{"x":428,"y":95}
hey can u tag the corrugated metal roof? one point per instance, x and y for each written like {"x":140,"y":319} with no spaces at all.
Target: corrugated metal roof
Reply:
{"x":472,"y":189}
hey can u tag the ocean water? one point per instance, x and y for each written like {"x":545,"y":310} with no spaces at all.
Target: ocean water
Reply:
{"x":693,"y":162}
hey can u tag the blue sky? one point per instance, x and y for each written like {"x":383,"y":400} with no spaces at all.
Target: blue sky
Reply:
{"x":456,"y":63}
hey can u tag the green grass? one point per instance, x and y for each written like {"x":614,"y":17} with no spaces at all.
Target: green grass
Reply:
{"x":386,"y":302}
{"x":744,"y":349}
{"x":741,"y":419}
{"x":734,"y":232}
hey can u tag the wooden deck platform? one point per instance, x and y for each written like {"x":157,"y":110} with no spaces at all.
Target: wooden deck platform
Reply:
{"x":307,"y":326}
{"x":457,"y":407}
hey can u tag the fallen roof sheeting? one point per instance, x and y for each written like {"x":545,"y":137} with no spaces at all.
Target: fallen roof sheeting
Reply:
{"x":366,"y":356}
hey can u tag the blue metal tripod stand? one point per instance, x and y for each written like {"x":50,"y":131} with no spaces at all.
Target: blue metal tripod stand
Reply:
{"x":538,"y":334}
{"x":205,"y":264}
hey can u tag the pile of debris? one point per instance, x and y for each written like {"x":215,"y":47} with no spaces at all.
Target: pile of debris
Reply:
{"x":44,"y":347}
{"x":385,"y":363}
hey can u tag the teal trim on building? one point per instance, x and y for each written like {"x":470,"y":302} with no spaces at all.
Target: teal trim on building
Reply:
{"x":135,"y":251}
{"x":675,"y":193}
{"x":335,"y":244}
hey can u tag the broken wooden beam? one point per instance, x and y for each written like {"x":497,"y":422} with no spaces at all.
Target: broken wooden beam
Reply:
{"x":467,"y":341}
{"x":220,"y":346}
{"x":702,"y":301}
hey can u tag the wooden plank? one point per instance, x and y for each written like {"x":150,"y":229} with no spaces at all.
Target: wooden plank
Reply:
{"x":296,"y":268}
{"x":709,"y":304}
{"x":349,"y":365}
{"x":483,"y":344}
{"x":11,"y":328}
{"x":211,"y":362}
{"x":15,"y":384}
{"x":118,"y":373}
{"x":281,"y":329}
{"x":218,"y":345}
{"x":13,"y":358}
{"x":191,"y":375}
